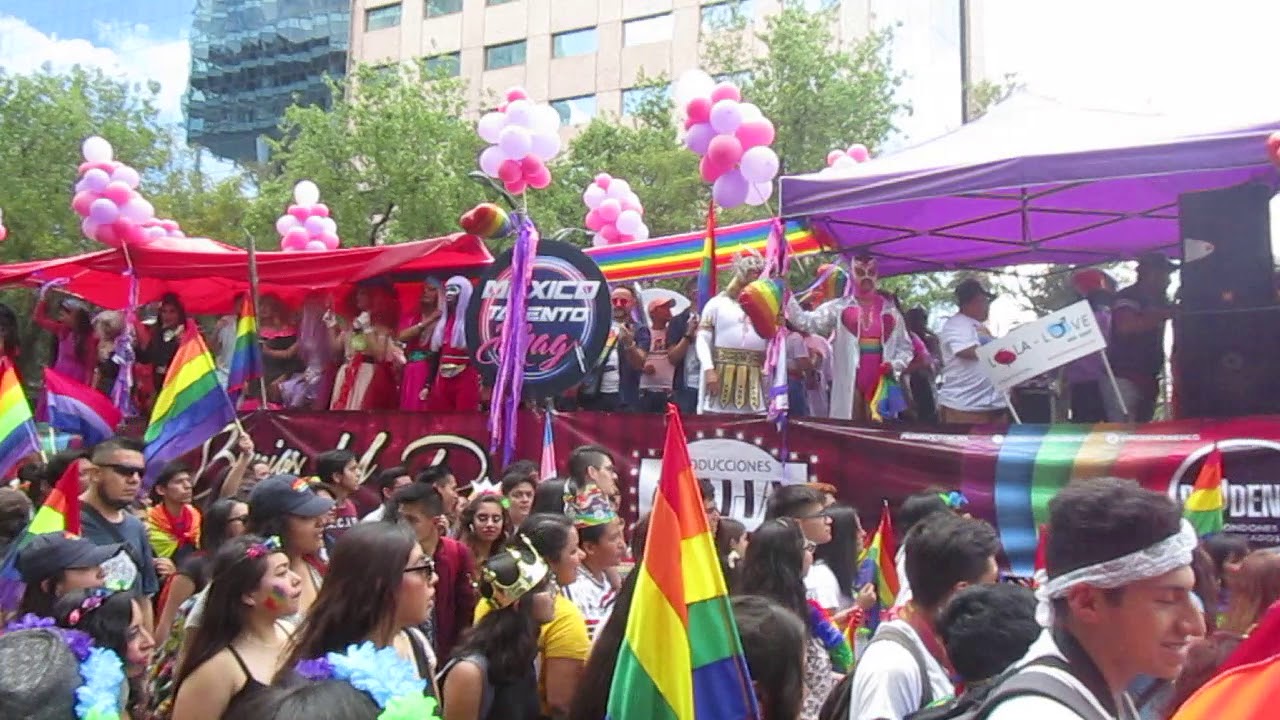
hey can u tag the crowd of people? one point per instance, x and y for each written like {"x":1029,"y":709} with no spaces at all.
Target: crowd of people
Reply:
{"x":281,"y":597}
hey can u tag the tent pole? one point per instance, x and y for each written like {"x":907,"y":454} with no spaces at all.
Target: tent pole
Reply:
{"x":253,"y":296}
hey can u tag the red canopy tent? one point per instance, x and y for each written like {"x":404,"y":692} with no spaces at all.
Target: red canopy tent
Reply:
{"x":207,"y":275}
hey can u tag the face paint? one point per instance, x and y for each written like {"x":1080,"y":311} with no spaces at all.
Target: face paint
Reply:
{"x":865,"y":277}
{"x":277,"y":599}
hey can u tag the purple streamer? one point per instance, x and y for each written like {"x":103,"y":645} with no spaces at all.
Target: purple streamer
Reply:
{"x":514,"y":345}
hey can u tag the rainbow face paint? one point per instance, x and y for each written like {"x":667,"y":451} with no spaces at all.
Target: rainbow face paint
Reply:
{"x":277,"y":599}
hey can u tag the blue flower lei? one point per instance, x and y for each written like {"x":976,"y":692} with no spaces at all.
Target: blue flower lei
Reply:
{"x":383,"y":675}
{"x":101,"y":671}
{"x":824,"y":629}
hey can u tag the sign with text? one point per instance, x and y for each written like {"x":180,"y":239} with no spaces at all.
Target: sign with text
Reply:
{"x":567,"y":314}
{"x":1038,"y":347}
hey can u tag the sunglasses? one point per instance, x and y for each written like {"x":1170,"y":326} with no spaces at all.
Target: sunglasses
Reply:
{"x":426,"y":568}
{"x":124,"y":470}
{"x":620,"y":302}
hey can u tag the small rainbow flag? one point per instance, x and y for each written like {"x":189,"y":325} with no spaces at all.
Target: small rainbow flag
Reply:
{"x":246,"y":359}
{"x":17,"y":426}
{"x":191,"y":407}
{"x":1204,"y":506}
{"x":59,"y":513}
{"x":681,"y":657}
{"x":707,"y":270}
{"x":79,"y":409}
{"x":548,"y":468}
{"x":882,"y":551}
{"x":887,"y":401}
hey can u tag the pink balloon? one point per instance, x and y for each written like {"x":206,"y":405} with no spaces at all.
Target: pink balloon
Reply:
{"x":699,"y":137}
{"x":532,"y":165}
{"x":516,"y":93}
{"x":108,"y":235}
{"x":833,"y":156}
{"x":699,"y":110}
{"x":169,"y":225}
{"x":4,"y":233}
{"x":631,"y":203}
{"x":515,"y":187}
{"x":330,"y":241}
{"x":609,"y":210}
{"x":81,"y":202}
{"x":117,"y":192}
{"x":89,"y":228}
{"x":300,"y":212}
{"x":296,"y":237}
{"x":709,"y":170}
{"x":603,"y":180}
{"x":320,"y":209}
{"x":96,"y":179}
{"x":725,"y":91}
{"x":598,"y":240}
{"x":314,"y":245}
{"x":540,"y":179}
{"x":593,"y":221}
{"x":859,"y":152}
{"x":724,"y":150}
{"x":510,"y":171}
{"x":103,"y":211}
{"x":730,"y":190}
{"x":610,"y":233}
{"x":755,"y":133}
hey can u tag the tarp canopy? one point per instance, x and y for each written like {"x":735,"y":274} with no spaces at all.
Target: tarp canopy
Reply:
{"x":207,"y":275}
{"x":1033,"y":181}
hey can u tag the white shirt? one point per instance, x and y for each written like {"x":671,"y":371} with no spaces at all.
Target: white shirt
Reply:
{"x":821,"y":586}
{"x":376,"y":515}
{"x":904,"y":585}
{"x":886,"y":682}
{"x":964,"y":384}
{"x":610,"y":379}
{"x":594,"y":598}
{"x":1043,"y":708}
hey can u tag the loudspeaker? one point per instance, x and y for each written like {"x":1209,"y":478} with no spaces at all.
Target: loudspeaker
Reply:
{"x":1226,"y":363}
{"x":1226,"y":248}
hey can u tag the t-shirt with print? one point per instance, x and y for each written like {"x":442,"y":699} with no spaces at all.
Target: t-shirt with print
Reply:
{"x":133,"y":568}
{"x":609,"y":376}
{"x":593,"y":598}
{"x":345,"y":517}
{"x":965,"y":386}
{"x":663,"y":375}
{"x":887,"y":683}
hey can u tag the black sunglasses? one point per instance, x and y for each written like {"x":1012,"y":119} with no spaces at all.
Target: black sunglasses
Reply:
{"x":125,"y":470}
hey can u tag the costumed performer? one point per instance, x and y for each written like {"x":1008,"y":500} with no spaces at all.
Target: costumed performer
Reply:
{"x":365,"y":380}
{"x":870,"y":340}
{"x":731,"y":352}
{"x":416,"y":333}
{"x":456,"y":387}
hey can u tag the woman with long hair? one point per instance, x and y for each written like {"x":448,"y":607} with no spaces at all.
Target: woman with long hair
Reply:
{"x":365,"y":380}
{"x":485,"y":526}
{"x":73,"y":329}
{"x":115,"y":620}
{"x":53,"y":564}
{"x":160,"y":341}
{"x":237,"y":649}
{"x":774,"y":642}
{"x":774,"y":567}
{"x":1255,"y":587}
{"x":380,"y":587}
{"x":285,"y":507}
{"x":415,"y":332}
{"x":835,"y":571}
{"x":491,"y":675}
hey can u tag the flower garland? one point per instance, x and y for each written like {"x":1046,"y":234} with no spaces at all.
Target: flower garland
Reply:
{"x":824,"y":628}
{"x":389,"y":679}
{"x":101,"y":671}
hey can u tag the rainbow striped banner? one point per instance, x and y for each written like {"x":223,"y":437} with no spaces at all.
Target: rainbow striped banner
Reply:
{"x":682,"y":254}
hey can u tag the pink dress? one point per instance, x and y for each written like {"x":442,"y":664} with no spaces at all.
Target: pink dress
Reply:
{"x":417,"y":368}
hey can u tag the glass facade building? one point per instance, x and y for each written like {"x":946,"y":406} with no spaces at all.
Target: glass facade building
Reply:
{"x":251,"y":59}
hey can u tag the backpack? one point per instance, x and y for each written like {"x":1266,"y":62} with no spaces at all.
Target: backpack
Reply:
{"x":980,"y":702}
{"x":837,"y":704}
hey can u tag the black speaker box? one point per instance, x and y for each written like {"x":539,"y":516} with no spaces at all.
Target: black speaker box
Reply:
{"x":1234,"y":224}
{"x":1228,"y":363}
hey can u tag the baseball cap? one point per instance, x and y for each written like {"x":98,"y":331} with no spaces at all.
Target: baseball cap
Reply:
{"x":656,"y":303}
{"x":1156,"y":260}
{"x":48,"y":554}
{"x":286,"y":495}
{"x":970,"y":289}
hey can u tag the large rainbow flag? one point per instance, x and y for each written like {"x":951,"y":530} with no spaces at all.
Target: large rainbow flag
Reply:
{"x":246,"y":359}
{"x":191,"y":407}
{"x":59,"y":513}
{"x":681,"y":658}
{"x":17,"y":426}
{"x":682,"y":254}
{"x":707,"y":267}
{"x":1205,"y":506}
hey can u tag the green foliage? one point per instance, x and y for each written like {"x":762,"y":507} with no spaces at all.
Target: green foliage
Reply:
{"x":984,"y":94}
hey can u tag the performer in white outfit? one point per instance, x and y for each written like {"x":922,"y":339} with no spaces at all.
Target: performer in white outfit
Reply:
{"x":731,"y":352}
{"x":870,"y":340}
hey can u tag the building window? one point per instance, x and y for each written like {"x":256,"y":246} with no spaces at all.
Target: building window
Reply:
{"x":576,"y":110}
{"x":633,"y":99}
{"x":652,"y":29}
{"x":449,"y":64}
{"x":737,"y":77}
{"x":382,"y":17}
{"x":721,"y":15}
{"x":497,"y":2}
{"x":574,"y":42}
{"x":504,"y":55}
{"x":437,"y":8}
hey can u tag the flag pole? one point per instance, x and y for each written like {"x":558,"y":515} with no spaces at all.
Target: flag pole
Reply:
{"x":253,"y":297}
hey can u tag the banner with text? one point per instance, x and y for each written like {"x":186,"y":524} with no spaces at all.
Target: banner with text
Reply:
{"x":1038,"y":347}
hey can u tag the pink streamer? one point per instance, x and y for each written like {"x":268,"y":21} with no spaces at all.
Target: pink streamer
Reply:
{"x":776,"y":265}
{"x":508,"y":386}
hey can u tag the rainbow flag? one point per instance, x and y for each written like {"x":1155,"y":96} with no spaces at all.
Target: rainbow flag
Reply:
{"x":681,"y":658}
{"x":246,"y":359}
{"x":887,"y":401}
{"x":17,"y":426}
{"x":59,"y":513}
{"x":1203,"y":508}
{"x":548,"y":468}
{"x":191,"y":407}
{"x":1247,"y":692}
{"x":77,"y":408}
{"x":707,"y":270}
{"x":882,"y":551}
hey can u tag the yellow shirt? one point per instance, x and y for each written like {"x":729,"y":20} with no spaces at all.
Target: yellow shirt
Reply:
{"x":565,"y":637}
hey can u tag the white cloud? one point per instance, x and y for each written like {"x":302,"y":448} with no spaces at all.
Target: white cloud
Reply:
{"x":124,"y":51}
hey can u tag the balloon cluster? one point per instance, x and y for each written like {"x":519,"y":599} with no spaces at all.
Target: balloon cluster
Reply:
{"x":307,"y":225}
{"x":108,"y":201}
{"x":731,"y":136}
{"x":4,"y":231}
{"x":844,"y":159}
{"x":614,"y":212}
{"x":524,"y":136}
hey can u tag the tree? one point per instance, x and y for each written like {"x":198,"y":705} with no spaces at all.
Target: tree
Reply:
{"x":985,"y":94}
{"x":391,"y":156}
{"x":216,"y":209}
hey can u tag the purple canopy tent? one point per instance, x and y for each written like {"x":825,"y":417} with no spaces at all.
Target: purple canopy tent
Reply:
{"x":1033,"y":181}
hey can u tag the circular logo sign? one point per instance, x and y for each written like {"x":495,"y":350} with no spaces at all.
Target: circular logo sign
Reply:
{"x":1250,"y":467}
{"x":567,"y":316}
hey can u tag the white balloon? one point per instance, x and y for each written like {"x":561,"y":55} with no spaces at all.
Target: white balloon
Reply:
{"x":693,"y":84}
{"x":619,"y":189}
{"x":844,"y":162}
{"x":759,"y":193}
{"x":284,"y":224}
{"x":598,"y":240}
{"x":138,"y":210}
{"x":97,"y":150}
{"x":520,"y":112}
{"x":628,"y":222}
{"x":546,"y":145}
{"x":642,"y":233}
{"x":306,"y":193}
{"x":750,"y":112}
{"x":515,"y":142}
{"x":490,"y":126}
{"x":491,"y":159}
{"x":330,"y":226}
{"x":546,"y":119}
{"x":593,"y":196}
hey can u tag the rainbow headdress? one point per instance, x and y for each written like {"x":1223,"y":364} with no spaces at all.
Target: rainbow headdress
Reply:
{"x":191,"y":407}
{"x":681,"y":658}
{"x":246,"y":359}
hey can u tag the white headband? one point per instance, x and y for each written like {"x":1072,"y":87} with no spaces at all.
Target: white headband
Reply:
{"x":1165,"y":556}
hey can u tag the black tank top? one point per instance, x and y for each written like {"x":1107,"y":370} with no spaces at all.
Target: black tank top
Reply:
{"x":251,"y":686}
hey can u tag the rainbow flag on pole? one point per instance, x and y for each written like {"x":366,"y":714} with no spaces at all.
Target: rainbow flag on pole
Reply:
{"x":246,"y":359}
{"x":707,"y":269}
{"x":191,"y":407}
{"x":79,"y":409}
{"x":1204,"y":506}
{"x":548,"y":469}
{"x":59,"y":513}
{"x":681,"y":658}
{"x":882,"y":551}
{"x":17,"y":426}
